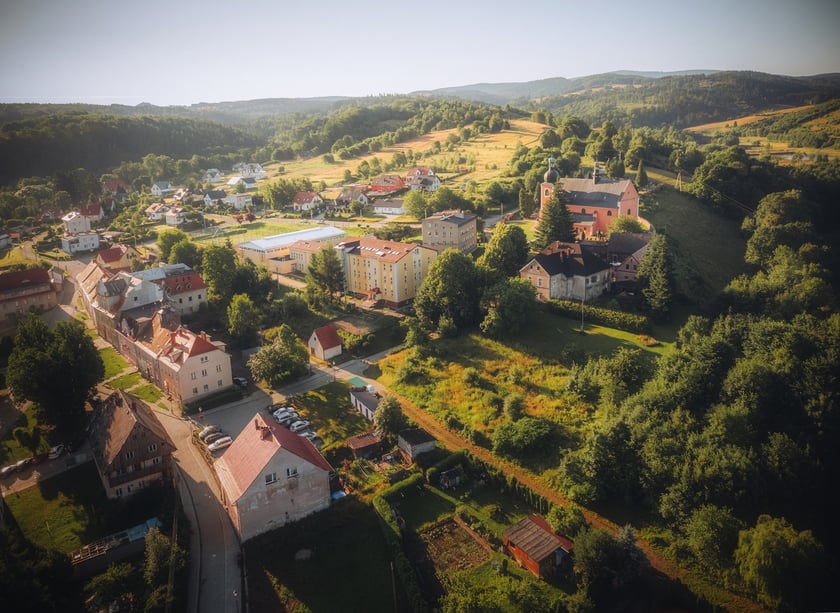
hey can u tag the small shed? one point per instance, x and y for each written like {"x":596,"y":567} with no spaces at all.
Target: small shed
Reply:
{"x":325,"y":343}
{"x":364,"y":401}
{"x":450,"y":478}
{"x":413,"y":442}
{"x":365,"y":445}
{"x":534,"y":545}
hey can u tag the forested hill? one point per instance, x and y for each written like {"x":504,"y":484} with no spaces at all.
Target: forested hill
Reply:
{"x":98,"y":142}
{"x":682,"y":101}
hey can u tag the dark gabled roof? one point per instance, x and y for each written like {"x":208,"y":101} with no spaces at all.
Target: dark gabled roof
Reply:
{"x":628,"y":242}
{"x":24,"y":278}
{"x":371,"y":401}
{"x":216,"y":194}
{"x":603,"y":194}
{"x":361,"y":441}
{"x":583,"y":218}
{"x":570,"y":260}
{"x":416,"y":436}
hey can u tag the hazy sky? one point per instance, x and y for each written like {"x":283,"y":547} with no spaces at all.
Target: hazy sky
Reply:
{"x":189,"y":51}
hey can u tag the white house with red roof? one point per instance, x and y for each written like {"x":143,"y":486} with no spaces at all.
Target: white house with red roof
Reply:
{"x":387,"y":184}
{"x":93,"y":211}
{"x":325,"y":343}
{"x":271,"y":477}
{"x":305,"y":201}
{"x":422,"y":178}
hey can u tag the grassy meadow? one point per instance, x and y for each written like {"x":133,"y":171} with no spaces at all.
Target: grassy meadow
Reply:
{"x":482,"y":156}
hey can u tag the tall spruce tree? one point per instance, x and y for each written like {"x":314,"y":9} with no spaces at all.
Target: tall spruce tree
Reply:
{"x":656,"y":278}
{"x":555,"y":222}
{"x":641,"y":175}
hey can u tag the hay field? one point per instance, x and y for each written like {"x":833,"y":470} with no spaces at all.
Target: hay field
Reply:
{"x":487,"y":153}
{"x":711,"y":128}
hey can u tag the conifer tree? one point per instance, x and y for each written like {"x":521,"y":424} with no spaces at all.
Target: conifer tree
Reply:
{"x":641,"y":175}
{"x":555,"y":222}
{"x":656,"y":278}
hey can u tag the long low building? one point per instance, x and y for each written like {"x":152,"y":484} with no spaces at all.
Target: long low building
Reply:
{"x":263,"y":250}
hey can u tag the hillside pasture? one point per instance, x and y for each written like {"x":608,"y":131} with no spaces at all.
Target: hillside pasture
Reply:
{"x":486,"y":153}
{"x":718,"y":126}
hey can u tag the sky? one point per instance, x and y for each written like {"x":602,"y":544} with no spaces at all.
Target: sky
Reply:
{"x":183,"y":52}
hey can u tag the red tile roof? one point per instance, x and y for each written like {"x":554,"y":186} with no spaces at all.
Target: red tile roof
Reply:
{"x":328,"y":337}
{"x":304,"y":197}
{"x":112,"y":254}
{"x":244,"y":461}
{"x":91,"y":210}
{"x":24,"y":278}
{"x":180,"y":283}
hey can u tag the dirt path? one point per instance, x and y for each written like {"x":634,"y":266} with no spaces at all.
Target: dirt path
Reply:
{"x":453,"y":441}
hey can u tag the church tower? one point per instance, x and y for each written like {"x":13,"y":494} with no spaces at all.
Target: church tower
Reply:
{"x":547,"y":187}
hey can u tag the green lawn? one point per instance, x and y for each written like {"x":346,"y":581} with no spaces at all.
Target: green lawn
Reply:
{"x":125,"y":382}
{"x":60,"y":512}
{"x":148,"y":393}
{"x":329,"y":410}
{"x":32,"y":440}
{"x":114,"y":362}
{"x":349,"y":569}
{"x":709,"y":248}
{"x":260,"y":229}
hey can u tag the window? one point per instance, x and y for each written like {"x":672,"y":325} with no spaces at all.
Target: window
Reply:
{"x":156,"y":461}
{"x":129,"y":455}
{"x":583,"y":211}
{"x":118,"y":492}
{"x":199,"y":296}
{"x":206,"y":388}
{"x":153,"y":447}
{"x":203,"y":372}
{"x":609,"y":213}
{"x":193,"y":376}
{"x":204,"y":359}
{"x":291,"y":472}
{"x":539,"y":281}
{"x":195,"y":390}
{"x":180,"y":301}
{"x":270,"y":478}
{"x":219,"y":384}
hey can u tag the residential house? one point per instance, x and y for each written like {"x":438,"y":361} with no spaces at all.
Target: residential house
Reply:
{"x":249,"y":183}
{"x":624,"y":253}
{"x":182,"y":194}
{"x":118,"y":258}
{"x":263,"y":250}
{"x":94,"y":212}
{"x":174,"y":216}
{"x":182,"y":288}
{"x":413,"y":442}
{"x":451,"y":230}
{"x":385,"y":270}
{"x":23,"y":291}
{"x":156,"y":211}
{"x":130,"y":447}
{"x":161,"y":189}
{"x":365,"y":401}
{"x":213,"y":175}
{"x":214,"y":197}
{"x":115,"y":188}
{"x":80,"y":242}
{"x":568,"y":271}
{"x":306,"y":201}
{"x":594,"y":203}
{"x":251,"y":170}
{"x":239,"y":201}
{"x":325,"y":343}
{"x":74,"y":223}
{"x":388,"y":206}
{"x":422,"y":178}
{"x":387,"y":184}
{"x":185,"y":365}
{"x":270,"y":477}
{"x":534,"y":545}
{"x":349,"y":196}
{"x":367,"y":445}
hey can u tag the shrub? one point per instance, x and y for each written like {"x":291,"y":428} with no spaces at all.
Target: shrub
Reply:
{"x":629,"y":322}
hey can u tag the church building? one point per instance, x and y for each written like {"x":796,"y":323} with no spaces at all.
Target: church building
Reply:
{"x":594,"y":203}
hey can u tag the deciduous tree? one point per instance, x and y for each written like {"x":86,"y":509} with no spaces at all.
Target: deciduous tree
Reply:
{"x":450,"y":292}
{"x":285,"y":359}
{"x":389,"y":418}
{"x":243,"y":320}
{"x":506,"y":251}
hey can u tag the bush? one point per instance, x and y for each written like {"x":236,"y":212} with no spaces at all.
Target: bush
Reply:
{"x":629,"y":322}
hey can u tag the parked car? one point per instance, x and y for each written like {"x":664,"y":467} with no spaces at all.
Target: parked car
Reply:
{"x":21,"y":464}
{"x":207,"y":431}
{"x":212,"y":438}
{"x":56,"y":452}
{"x":240,"y":381}
{"x":286,"y":417}
{"x":6,"y":471}
{"x":223,"y":442}
{"x":310,"y":434}
{"x":299,"y":426}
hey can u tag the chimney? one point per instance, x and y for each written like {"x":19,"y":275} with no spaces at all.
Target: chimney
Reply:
{"x":256,"y":423}
{"x":264,"y":432}
{"x":203,"y":335}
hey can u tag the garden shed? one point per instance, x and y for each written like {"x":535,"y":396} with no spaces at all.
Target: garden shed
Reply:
{"x":534,"y":545}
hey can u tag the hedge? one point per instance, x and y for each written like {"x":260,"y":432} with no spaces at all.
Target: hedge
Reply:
{"x":393,"y":538}
{"x":629,"y":322}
